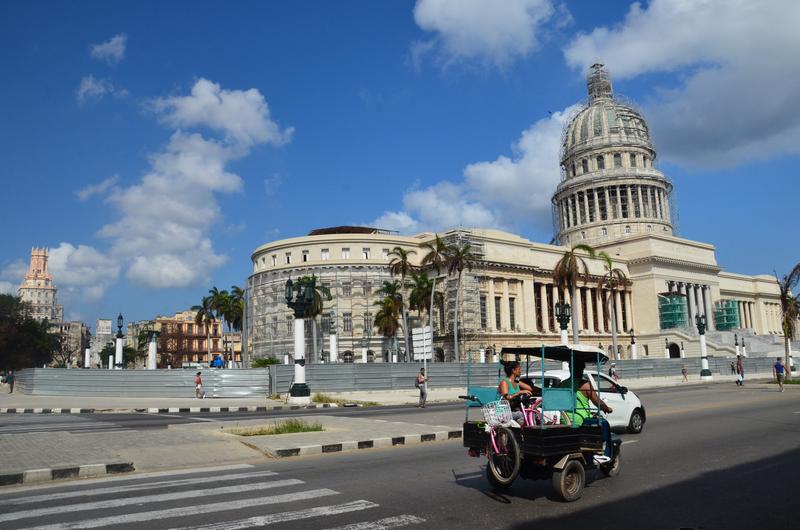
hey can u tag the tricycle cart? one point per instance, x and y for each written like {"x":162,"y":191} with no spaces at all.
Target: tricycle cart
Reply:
{"x":547,"y":444}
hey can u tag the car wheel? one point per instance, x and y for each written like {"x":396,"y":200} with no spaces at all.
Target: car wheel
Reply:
{"x":612,"y":468}
{"x":636,"y":424}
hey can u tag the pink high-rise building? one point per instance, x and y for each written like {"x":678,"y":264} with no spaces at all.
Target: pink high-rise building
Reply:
{"x":38,"y":291}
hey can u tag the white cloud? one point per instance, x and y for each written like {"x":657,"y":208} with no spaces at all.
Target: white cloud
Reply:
{"x":735,"y":74}
{"x":495,"y":33}
{"x":111,"y":51}
{"x":243,"y":115}
{"x":14,"y":271}
{"x":504,"y":193}
{"x":8,"y":288}
{"x":92,"y":88}
{"x":83,"y":270}
{"x":97,"y":189}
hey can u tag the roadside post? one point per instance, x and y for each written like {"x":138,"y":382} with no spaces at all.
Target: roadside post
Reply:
{"x":303,"y":291}
{"x":705,"y":373}
{"x":118,"y":352}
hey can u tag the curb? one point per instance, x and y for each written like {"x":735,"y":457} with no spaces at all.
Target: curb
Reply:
{"x":32,"y":476}
{"x":168,"y":410}
{"x":409,"y":439}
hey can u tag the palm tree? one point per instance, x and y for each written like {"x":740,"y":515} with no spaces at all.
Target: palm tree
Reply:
{"x":790,"y":311}
{"x":204,"y":314}
{"x":435,"y":258}
{"x":566,"y":274}
{"x":386,"y":319}
{"x":235,"y":314}
{"x":400,"y":266}
{"x":612,"y":278}
{"x":220,"y":303}
{"x":322,"y":293}
{"x":458,"y":258}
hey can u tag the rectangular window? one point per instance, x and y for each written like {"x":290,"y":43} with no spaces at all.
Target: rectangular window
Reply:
{"x":274,"y":260}
{"x":325,"y":254}
{"x":178,"y":328}
{"x":347,"y":322}
{"x":367,"y":322}
{"x":497,"y":313}
{"x":385,"y":254}
{"x":367,"y":289}
{"x":512,"y":303}
{"x":537,"y":304}
{"x":345,"y":253}
{"x":617,"y":160}
{"x":633,"y":160}
{"x":364,"y":253}
{"x":289,"y":322}
{"x":483,"y":312}
{"x":305,"y":256}
{"x":288,"y":258}
{"x":189,"y":328}
{"x":347,"y":290}
{"x":215,"y":345}
{"x":585,"y":166}
{"x":326,"y":324}
{"x":215,"y":330}
{"x":601,"y":162}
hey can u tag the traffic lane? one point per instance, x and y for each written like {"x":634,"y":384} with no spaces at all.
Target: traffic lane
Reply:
{"x":687,"y":471}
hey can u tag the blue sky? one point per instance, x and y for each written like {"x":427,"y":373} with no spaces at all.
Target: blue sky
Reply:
{"x":154,"y":145}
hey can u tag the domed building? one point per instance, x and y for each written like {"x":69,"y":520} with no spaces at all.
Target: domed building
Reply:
{"x":611,"y":196}
{"x":609,"y":188}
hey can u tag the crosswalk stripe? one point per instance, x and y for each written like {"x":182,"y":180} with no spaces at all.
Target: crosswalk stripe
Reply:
{"x":159,"y":497}
{"x":274,"y":518}
{"x":188,"y":511}
{"x":141,"y":486}
{"x":129,"y":477}
{"x":383,"y":524}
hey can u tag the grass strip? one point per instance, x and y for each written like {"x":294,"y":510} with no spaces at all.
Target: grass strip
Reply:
{"x":291,"y":425}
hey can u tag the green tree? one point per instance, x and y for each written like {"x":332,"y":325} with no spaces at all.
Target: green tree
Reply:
{"x":612,"y":279}
{"x":322,"y":293}
{"x":435,"y":259}
{"x":263,"y":362}
{"x":459,"y":257}
{"x":400,"y":265}
{"x":204,"y":315}
{"x":129,"y":355}
{"x":24,"y":342}
{"x":566,"y":275}
{"x":236,"y":308}
{"x":387,"y":319}
{"x":221,"y":304}
{"x":790,"y":311}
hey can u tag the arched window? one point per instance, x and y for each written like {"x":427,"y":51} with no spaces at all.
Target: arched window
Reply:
{"x":604,"y":231}
{"x":583,"y":235}
{"x":617,"y":160}
{"x":646,"y":162}
{"x":627,"y":229}
{"x":601,"y":162}
{"x":649,"y":228}
{"x":574,"y":169}
{"x":633,"y":160}
{"x":585,"y":166}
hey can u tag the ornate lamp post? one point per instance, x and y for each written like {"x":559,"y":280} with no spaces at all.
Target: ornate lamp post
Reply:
{"x":666,"y":348}
{"x":562,"y":315}
{"x":634,"y":348}
{"x":744,"y":348}
{"x":334,"y":339}
{"x":705,"y":373}
{"x":736,"y":343}
{"x":152,"y":350}
{"x":303,"y":294}
{"x":118,"y":354}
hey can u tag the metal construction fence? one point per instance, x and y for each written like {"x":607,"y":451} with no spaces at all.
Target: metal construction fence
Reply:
{"x":340,"y":377}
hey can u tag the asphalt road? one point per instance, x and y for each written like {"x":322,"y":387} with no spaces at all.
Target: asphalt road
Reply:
{"x":715,"y":457}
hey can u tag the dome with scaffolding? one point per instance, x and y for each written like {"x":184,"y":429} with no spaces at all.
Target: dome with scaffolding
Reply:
{"x":609,"y":186}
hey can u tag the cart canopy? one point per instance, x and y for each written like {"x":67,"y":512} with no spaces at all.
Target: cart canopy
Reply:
{"x":561,"y":352}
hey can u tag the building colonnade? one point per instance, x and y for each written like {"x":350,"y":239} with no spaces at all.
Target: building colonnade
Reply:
{"x":603,"y":203}
{"x":698,"y":301}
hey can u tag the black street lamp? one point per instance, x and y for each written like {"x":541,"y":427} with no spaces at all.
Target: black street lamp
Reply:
{"x":700,"y":322}
{"x":633,"y":336}
{"x":299,"y":297}
{"x":119,"y":326}
{"x":563,"y":313}
{"x":705,"y":373}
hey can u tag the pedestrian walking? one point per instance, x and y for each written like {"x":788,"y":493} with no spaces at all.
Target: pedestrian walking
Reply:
{"x":779,"y":371}
{"x":739,"y":370}
{"x":198,"y":387}
{"x":612,"y":372}
{"x":733,"y":368}
{"x":685,"y":373}
{"x":421,"y":382}
{"x":10,"y":381}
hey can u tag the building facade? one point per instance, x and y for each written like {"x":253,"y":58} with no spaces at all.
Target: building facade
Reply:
{"x":38,"y":291}
{"x":611,"y":196}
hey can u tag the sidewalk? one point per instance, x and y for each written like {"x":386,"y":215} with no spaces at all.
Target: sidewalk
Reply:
{"x":23,"y":403}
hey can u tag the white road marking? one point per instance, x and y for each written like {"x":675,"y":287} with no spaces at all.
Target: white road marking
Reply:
{"x":137,"y":476}
{"x":630,"y":442}
{"x":158,"y":497}
{"x":383,"y":524}
{"x":200,"y":419}
{"x":141,"y":486}
{"x":264,"y":520}
{"x":188,"y":510}
{"x":798,"y":412}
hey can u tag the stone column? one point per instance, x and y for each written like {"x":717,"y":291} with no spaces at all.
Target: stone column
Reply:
{"x":709,"y":306}
{"x":641,"y":203}
{"x":585,"y":207}
{"x":570,"y":219}
{"x":528,"y":306}
{"x":619,"y":202}
{"x":665,"y":200}
{"x":609,"y":206}
{"x":659,"y":205}
{"x":589,"y":309}
{"x":739,"y":305}
{"x":505,"y":313}
{"x":629,"y":308}
{"x":752,"y":318}
{"x":491,"y":324}
{"x":597,"y":216}
{"x":690,"y":297}
{"x":545,"y":309}
{"x":618,"y":302}
{"x":631,"y":212}
{"x":577,"y":309}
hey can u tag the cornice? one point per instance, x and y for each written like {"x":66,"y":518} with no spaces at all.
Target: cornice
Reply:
{"x":677,"y":262}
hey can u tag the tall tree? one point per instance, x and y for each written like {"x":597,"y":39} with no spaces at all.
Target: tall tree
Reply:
{"x":24,"y":342}
{"x":566,"y":275}
{"x":420,"y":293}
{"x":236,"y":308}
{"x":790,"y":310}
{"x":387,"y":319}
{"x":435,"y":259}
{"x":204,"y":315}
{"x":611,"y":280}
{"x":400,"y":265}
{"x":459,"y":257}
{"x":221,"y":304}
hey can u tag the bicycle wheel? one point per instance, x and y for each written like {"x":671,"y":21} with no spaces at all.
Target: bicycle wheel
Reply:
{"x":505,"y":463}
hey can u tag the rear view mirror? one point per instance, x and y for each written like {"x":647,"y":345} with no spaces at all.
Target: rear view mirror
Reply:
{"x":623,"y":390}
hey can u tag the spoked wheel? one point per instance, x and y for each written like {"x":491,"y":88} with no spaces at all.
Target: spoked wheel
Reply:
{"x":570,"y":481}
{"x":612,"y":468}
{"x":504,"y":464}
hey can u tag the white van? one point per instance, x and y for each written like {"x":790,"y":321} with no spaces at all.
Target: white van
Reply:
{"x":628,"y":410}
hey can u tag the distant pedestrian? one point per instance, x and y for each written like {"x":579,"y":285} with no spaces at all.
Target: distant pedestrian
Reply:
{"x":685,"y":374}
{"x":739,"y":370}
{"x":421,"y":383}
{"x":612,"y":372}
{"x":198,"y":387}
{"x":733,"y":368}
{"x":10,"y":381}
{"x":779,"y":371}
